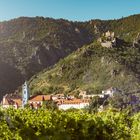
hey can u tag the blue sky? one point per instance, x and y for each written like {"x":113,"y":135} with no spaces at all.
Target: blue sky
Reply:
{"x":79,"y":10}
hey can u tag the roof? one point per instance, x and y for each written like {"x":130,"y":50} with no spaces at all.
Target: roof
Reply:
{"x":58,"y":95}
{"x":18,"y":101}
{"x":40,"y":98}
{"x":73,"y":101}
{"x":9,"y":101}
{"x":12,"y":96}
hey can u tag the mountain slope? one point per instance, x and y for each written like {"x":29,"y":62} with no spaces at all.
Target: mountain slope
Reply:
{"x":126,"y":28}
{"x":91,"y":68}
{"x":28,"y":45}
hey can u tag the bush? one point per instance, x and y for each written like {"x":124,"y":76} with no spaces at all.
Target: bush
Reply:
{"x":72,"y":125}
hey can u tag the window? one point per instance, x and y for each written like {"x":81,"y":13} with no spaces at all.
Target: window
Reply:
{"x":24,"y":92}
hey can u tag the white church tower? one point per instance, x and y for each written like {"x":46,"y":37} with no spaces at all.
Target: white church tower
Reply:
{"x":25,"y":94}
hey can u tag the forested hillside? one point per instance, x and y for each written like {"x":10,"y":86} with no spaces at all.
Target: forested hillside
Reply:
{"x":93,"y":69}
{"x":28,"y":45}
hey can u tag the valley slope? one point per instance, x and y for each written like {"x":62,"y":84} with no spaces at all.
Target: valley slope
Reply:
{"x":28,"y":45}
{"x":92,"y":69}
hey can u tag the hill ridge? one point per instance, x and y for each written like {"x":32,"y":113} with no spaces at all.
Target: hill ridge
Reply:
{"x":28,"y":46}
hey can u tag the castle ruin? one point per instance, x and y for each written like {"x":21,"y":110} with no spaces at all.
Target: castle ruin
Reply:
{"x":108,"y":39}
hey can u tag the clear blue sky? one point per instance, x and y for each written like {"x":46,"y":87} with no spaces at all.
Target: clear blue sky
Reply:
{"x":69,"y":9}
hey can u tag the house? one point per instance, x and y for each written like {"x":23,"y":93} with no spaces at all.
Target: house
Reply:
{"x":16,"y":102}
{"x":11,"y":101}
{"x":74,"y":103}
{"x":62,"y":96}
{"x":84,"y":95}
{"x":58,"y":96}
{"x":37,"y":100}
{"x":110,"y":92}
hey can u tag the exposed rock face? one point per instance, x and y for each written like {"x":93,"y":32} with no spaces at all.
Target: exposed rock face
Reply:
{"x":96,"y":30}
{"x":136,"y":41}
{"x":28,"y":45}
{"x":90,"y":69}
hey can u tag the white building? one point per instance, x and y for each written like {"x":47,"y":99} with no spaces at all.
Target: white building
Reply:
{"x":58,"y":96}
{"x":88,"y":96}
{"x":75,"y":103}
{"x":110,"y":92}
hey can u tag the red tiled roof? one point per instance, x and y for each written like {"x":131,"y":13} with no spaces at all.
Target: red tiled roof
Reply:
{"x":8,"y":102}
{"x":40,"y":98}
{"x":18,"y":101}
{"x":12,"y":101}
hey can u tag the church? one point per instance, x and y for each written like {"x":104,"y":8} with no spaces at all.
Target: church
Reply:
{"x":36,"y":101}
{"x":16,"y":101}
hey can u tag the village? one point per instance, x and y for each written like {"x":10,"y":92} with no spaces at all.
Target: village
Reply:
{"x":61,"y":101}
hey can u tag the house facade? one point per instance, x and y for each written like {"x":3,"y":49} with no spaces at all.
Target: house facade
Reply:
{"x":110,"y":92}
{"x":37,"y":100}
{"x":74,"y":103}
{"x":84,"y":95}
{"x":11,"y":101}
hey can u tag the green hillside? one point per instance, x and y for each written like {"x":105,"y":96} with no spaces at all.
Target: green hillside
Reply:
{"x":91,"y":68}
{"x":125,"y":28}
{"x":29,"y":45}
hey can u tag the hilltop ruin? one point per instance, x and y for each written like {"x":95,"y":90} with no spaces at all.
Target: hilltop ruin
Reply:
{"x":108,"y":39}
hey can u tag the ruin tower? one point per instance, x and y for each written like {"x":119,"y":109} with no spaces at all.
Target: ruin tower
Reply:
{"x":25,"y":94}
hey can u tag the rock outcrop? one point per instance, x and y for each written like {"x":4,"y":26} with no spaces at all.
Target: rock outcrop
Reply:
{"x":136,"y":41}
{"x":28,"y":45}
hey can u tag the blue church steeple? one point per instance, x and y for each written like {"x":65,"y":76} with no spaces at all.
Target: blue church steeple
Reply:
{"x":25,"y":94}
